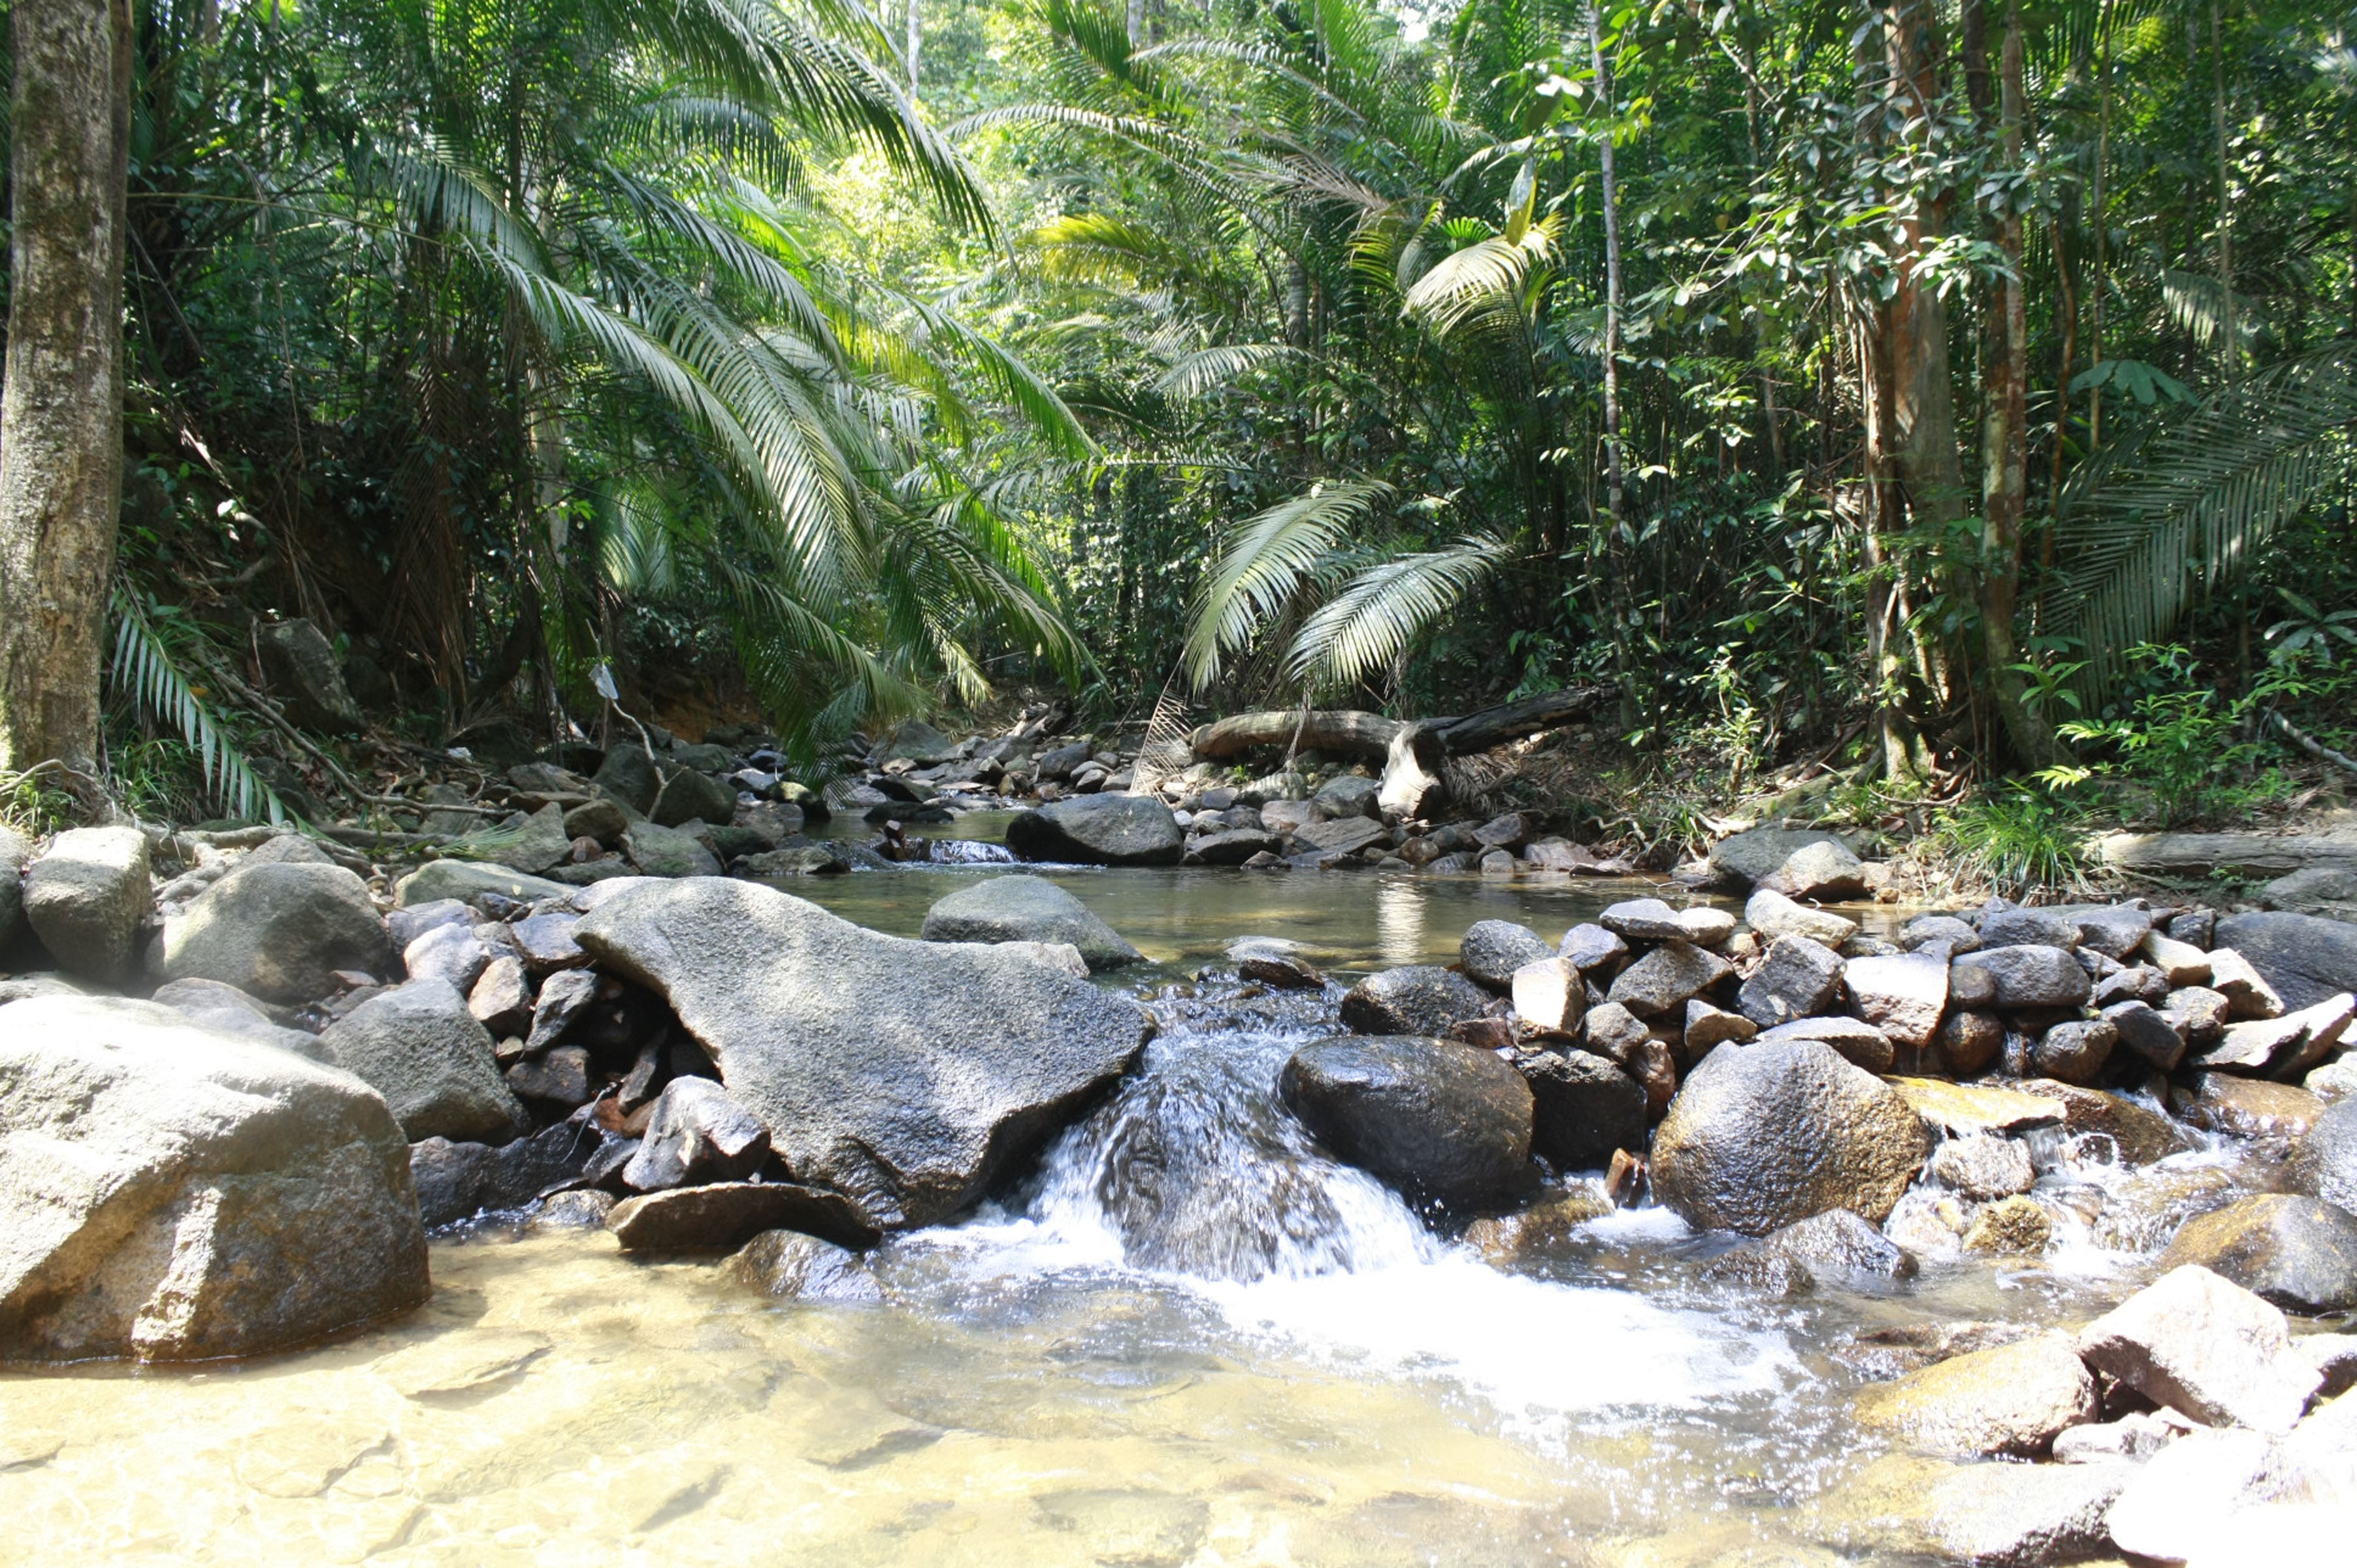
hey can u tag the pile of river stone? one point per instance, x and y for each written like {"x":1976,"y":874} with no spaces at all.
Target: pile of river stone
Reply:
{"x":299,"y":1082}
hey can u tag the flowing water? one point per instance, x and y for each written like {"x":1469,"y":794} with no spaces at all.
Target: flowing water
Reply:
{"x":1185,"y":1338}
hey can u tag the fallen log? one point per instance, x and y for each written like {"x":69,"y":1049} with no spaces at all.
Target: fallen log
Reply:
{"x":1511,"y":721}
{"x":1321,"y":729}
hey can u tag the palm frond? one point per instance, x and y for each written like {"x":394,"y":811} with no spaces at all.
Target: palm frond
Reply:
{"x":1383,"y":608}
{"x":1265,"y":563}
{"x":146,"y":671}
{"x":2179,"y":509}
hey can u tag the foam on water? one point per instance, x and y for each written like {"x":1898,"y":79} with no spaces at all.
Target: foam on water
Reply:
{"x":1193,"y":1178}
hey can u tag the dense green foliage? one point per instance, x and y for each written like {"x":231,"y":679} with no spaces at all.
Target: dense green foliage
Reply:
{"x":1824,"y":375}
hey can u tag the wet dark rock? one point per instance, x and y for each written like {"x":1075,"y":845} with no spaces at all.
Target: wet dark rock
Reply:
{"x":2140,"y":982}
{"x":2075,"y":1051}
{"x":1838,"y":1244}
{"x":602,"y":819}
{"x":1342,"y":836}
{"x":723,"y":1217}
{"x":2011,"y":927}
{"x":2136,"y":1133}
{"x":1100,"y":830}
{"x":418,"y":1045}
{"x":87,"y":896}
{"x":1970,"y":1042}
{"x":1437,"y":1119}
{"x":457,"y":1180}
{"x":697,"y":1134}
{"x":1665,"y":979}
{"x":1766,"y":1135}
{"x":905,"y":1074}
{"x":1970,"y":986}
{"x":1798,"y":979}
{"x":787,"y":1263}
{"x":304,"y":675}
{"x":277,"y":1190}
{"x":277,"y":930}
{"x":1492,"y":950}
{"x":2304,"y":958}
{"x":2298,"y":1252}
{"x":1421,"y":999}
{"x":689,"y":796}
{"x":560,"y":1077}
{"x":2197,"y":1013}
{"x":1027,"y":909}
{"x":1583,"y":1108}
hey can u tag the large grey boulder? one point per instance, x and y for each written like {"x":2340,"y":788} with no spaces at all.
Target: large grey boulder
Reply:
{"x":906,"y":1075}
{"x":278,"y":931}
{"x":2304,"y":957}
{"x":305,"y":677}
{"x":658,"y":851}
{"x":1420,"y":999}
{"x":628,"y":776}
{"x":1798,"y":978}
{"x":1435,"y":1117}
{"x":419,"y":1047}
{"x":1763,"y":1135}
{"x":1026,"y":909}
{"x":1099,"y":830}
{"x":1748,"y":857}
{"x":918,"y":742}
{"x":173,"y":1193}
{"x":2026,"y":975}
{"x":87,"y":898}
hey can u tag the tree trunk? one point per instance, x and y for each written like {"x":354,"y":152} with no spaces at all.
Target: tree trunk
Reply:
{"x":916,"y":44}
{"x":2005,"y":436}
{"x":61,"y":415}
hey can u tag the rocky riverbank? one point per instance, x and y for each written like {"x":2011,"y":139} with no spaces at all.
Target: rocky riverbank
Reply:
{"x":299,"y":1072}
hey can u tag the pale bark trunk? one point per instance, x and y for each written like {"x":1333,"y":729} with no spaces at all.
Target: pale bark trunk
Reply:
{"x":61,"y":412}
{"x":916,"y":43}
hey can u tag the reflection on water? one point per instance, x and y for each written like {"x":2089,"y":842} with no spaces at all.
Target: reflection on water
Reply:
{"x":1187,"y":1338}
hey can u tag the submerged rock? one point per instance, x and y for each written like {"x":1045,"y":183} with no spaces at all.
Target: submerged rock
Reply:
{"x":1439,"y":1118}
{"x":175,"y":1193}
{"x":905,"y":1074}
{"x":1765,"y":1135}
{"x":724,"y":1216}
{"x":1027,"y":909}
{"x":789,"y":1263}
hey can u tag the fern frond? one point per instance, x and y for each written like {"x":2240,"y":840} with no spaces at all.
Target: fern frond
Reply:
{"x":1268,"y":560}
{"x":145,"y":670}
{"x":1385,"y":608}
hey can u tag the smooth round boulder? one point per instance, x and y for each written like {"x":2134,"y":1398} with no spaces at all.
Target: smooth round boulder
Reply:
{"x":1767,"y":1135}
{"x":1420,"y":999}
{"x":175,"y":1193}
{"x":2298,"y":1252}
{"x":1492,"y":949}
{"x":1432,"y":1117}
{"x":1027,"y":909}
{"x":278,"y":931}
{"x":804,"y":1268}
{"x":1099,"y":830}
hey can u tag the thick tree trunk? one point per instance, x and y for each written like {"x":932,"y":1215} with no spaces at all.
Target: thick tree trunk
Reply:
{"x":61,"y":415}
{"x":2005,"y":438}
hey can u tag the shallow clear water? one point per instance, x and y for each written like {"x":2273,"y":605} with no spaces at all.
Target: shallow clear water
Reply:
{"x":1185,"y":1338}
